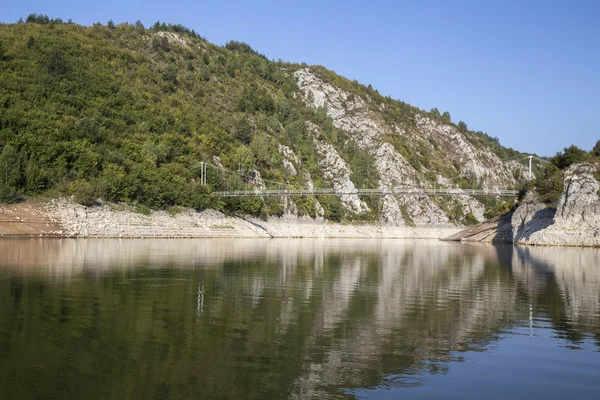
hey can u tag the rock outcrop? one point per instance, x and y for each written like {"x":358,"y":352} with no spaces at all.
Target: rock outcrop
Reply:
{"x":366,"y":126}
{"x":574,"y":222}
{"x":531,"y":216}
{"x":336,"y":172}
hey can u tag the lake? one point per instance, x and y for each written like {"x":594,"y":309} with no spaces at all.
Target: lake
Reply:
{"x":296,"y":319}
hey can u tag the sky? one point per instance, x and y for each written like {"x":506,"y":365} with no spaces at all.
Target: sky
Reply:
{"x":527,"y":72}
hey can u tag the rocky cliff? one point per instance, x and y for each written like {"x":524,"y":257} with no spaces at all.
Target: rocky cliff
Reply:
{"x":574,"y":222}
{"x":385,"y":140}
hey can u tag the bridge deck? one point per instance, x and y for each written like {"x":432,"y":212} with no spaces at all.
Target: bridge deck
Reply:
{"x":374,"y":192}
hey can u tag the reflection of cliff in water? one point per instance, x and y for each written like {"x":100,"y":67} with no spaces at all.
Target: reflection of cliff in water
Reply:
{"x":563,"y":283}
{"x":299,"y":318}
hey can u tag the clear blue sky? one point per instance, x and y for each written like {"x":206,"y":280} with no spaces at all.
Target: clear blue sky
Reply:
{"x":525,"y":71}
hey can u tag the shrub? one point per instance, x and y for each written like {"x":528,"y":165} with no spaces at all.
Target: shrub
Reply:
{"x":142,"y":209}
{"x":596,"y":150}
{"x":470,"y":219}
{"x":84,"y":193}
{"x":549,"y":185}
{"x":571,"y":155}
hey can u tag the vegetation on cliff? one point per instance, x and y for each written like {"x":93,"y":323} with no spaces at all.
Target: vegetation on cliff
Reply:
{"x":549,"y":183}
{"x":120,"y":112}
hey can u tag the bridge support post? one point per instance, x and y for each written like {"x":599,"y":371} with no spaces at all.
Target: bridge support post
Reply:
{"x":203,"y":173}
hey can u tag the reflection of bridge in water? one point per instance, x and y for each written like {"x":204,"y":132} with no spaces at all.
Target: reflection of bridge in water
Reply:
{"x":247,"y":184}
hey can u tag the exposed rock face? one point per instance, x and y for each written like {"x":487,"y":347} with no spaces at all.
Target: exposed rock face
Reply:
{"x":173,"y":38}
{"x":531,"y":216}
{"x":289,"y":158}
{"x":579,"y":204}
{"x":289,"y":207}
{"x":291,"y":166}
{"x":480,"y":162}
{"x":336,"y":171}
{"x":497,"y":231}
{"x":576,"y":221}
{"x":258,"y":182}
{"x":367,"y":127}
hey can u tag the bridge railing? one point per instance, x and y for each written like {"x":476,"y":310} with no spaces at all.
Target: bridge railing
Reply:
{"x":375,"y":192}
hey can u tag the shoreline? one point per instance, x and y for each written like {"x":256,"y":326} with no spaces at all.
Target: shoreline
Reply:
{"x":61,"y":218}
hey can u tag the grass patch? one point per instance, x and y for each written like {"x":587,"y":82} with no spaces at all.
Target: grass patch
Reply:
{"x":142,"y":209}
{"x":222,"y":227}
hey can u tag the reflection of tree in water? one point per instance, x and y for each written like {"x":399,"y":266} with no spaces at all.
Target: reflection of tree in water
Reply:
{"x":278,"y":318}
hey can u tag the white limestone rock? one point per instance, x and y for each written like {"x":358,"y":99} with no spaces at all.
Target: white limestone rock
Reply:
{"x":335,"y":171}
{"x":576,"y":220}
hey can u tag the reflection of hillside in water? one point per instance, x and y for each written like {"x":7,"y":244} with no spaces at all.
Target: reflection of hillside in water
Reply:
{"x":574,"y":273}
{"x":72,"y":256}
{"x":341,"y":313}
{"x":424,"y":303}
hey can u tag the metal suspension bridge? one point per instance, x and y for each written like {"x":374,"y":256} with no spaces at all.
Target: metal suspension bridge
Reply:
{"x":243,"y":183}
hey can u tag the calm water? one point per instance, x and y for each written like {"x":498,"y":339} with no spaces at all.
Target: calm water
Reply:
{"x":297,"y":319}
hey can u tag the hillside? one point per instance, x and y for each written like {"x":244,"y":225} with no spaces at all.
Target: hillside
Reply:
{"x":121,"y":112}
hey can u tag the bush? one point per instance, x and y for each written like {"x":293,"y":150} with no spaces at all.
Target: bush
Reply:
{"x":596,"y":150}
{"x":571,"y":155}
{"x":549,"y":185}
{"x":242,"y":47}
{"x":84,"y":193}
{"x":470,"y":219}
{"x":332,"y":208}
{"x":142,"y":209}
{"x":57,"y":63}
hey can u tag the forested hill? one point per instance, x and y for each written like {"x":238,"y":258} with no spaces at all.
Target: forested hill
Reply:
{"x":120,"y":113}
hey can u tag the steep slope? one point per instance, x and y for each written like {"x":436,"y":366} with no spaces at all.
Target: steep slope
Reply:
{"x":120,"y":113}
{"x":441,"y":145}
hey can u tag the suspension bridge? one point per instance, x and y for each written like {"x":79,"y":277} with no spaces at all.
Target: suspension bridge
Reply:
{"x":242,"y":183}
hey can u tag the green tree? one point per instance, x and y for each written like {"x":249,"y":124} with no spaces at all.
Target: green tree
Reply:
{"x":446,"y":117}
{"x":139,"y":26}
{"x":88,"y":128}
{"x":571,"y":155}
{"x":57,"y":63}
{"x":10,"y":174}
{"x":549,"y":184}
{"x":3,"y":52}
{"x":244,"y":131}
{"x":35,"y":176}
{"x":596,"y":150}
